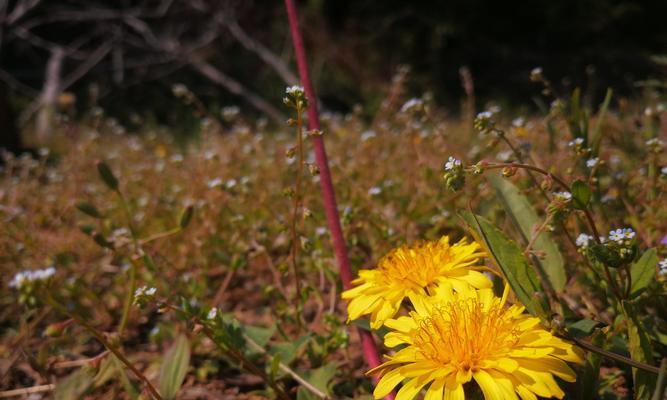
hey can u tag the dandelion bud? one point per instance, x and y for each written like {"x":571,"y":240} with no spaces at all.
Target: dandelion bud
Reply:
{"x":509,"y":171}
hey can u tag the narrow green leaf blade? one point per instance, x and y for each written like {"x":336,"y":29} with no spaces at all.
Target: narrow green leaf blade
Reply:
{"x":643,"y":271}
{"x":174,"y":366}
{"x":89,"y":209}
{"x":107,"y":176}
{"x":640,"y":350}
{"x":509,"y":258}
{"x":525,"y":218}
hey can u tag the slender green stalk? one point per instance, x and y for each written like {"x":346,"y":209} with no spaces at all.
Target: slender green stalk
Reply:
{"x":295,"y":215}
{"x":612,"y":356}
{"x":100,"y":337}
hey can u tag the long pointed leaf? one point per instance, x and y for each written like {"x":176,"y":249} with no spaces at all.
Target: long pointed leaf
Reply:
{"x":510,"y":259}
{"x":525,"y":219}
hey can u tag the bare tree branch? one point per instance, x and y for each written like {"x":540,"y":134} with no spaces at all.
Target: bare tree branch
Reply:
{"x":237,"y":88}
{"x":256,"y":47}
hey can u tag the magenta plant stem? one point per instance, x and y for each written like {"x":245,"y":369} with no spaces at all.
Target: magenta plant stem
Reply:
{"x":328,"y":196}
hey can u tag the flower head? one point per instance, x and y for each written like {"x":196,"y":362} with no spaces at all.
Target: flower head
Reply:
{"x":414,"y":271}
{"x":583,"y":240}
{"x":453,"y":338}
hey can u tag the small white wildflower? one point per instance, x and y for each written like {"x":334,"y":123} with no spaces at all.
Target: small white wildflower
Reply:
{"x":229,"y":113}
{"x":583,"y":240}
{"x":485,"y":115}
{"x":213,"y":183}
{"x":26,"y":276}
{"x":662,"y":265}
{"x":452,"y":163}
{"x":576,"y":142}
{"x":375,"y":190}
{"x":565,"y":196}
{"x":367,"y":135}
{"x":655,"y":142}
{"x":321,"y":231}
{"x":663,"y":170}
{"x":294,"y":90}
{"x":230,"y":183}
{"x":592,"y":162}
{"x":518,"y":122}
{"x":212,"y":314}
{"x":412,"y":105}
{"x":536,"y":74}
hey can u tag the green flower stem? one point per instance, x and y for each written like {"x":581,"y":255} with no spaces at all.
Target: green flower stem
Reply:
{"x":295,"y":215}
{"x":613,"y":356}
{"x":127,"y":305}
{"x":100,"y":337}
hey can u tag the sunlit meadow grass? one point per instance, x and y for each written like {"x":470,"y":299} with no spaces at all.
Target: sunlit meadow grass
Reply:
{"x":235,"y":251}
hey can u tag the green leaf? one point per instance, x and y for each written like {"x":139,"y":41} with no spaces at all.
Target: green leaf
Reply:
{"x":640,"y":350}
{"x":275,"y":366}
{"x":174,"y":366}
{"x":511,"y":261}
{"x":75,"y":385}
{"x":320,"y":378}
{"x":525,"y":218}
{"x":288,"y":351}
{"x":89,"y":209}
{"x":107,"y":176}
{"x":581,"y":194}
{"x":583,"y":327}
{"x":258,"y":334}
{"x":186,"y":216}
{"x":596,"y":136}
{"x":149,"y":263}
{"x":643,"y":271}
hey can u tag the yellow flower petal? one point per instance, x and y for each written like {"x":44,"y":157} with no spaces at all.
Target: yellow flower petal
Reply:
{"x":387,"y":383}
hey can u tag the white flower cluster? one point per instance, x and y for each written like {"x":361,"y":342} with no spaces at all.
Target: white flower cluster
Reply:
{"x":592,"y":162}
{"x":294,"y":90}
{"x":663,"y":170}
{"x":212,"y":314}
{"x":27,"y":276}
{"x":413,"y":104}
{"x":485,"y":115}
{"x":576,"y":142}
{"x":452,"y":163}
{"x":563,"y":196}
{"x":145,"y":291}
{"x":583,"y":240}
{"x":655,"y":142}
{"x":621,"y":234}
{"x":662,"y":265}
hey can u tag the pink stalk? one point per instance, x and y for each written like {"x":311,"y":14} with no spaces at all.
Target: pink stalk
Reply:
{"x":328,"y":196}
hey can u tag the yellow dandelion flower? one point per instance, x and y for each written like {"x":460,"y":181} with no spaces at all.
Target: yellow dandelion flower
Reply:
{"x":454,"y":338}
{"x":414,"y":271}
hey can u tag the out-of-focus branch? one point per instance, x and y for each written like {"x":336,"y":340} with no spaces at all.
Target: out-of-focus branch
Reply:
{"x":236,"y":88}
{"x":258,"y":48}
{"x":21,"y":9}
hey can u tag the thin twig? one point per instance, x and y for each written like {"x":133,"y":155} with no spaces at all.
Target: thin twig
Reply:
{"x":25,"y":391}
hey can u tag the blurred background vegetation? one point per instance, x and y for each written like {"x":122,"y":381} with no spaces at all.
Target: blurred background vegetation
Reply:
{"x":125,"y":56}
